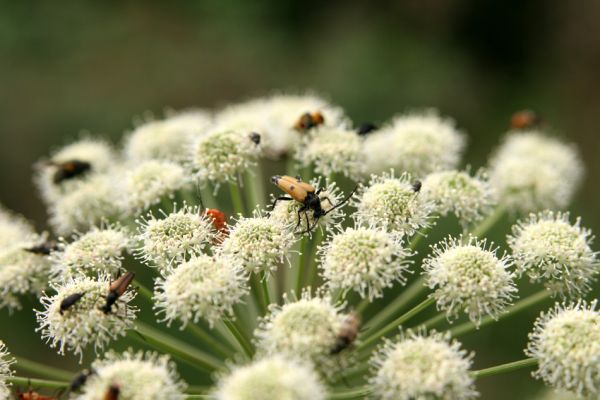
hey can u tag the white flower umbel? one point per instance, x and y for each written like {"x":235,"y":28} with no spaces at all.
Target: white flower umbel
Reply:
{"x":365,"y":260}
{"x":221,"y":155}
{"x":98,"y":251}
{"x":271,"y":378}
{"x":532,"y":171}
{"x":84,"y":323}
{"x":467,"y":276}
{"x":261,"y":244}
{"x":151,"y":182}
{"x":174,"y":237}
{"x":168,"y":139}
{"x":418,"y":366}
{"x":548,"y":248}
{"x":203,"y":287}
{"x":566,"y":343}
{"x":13,"y":229}
{"x":6,"y":361}
{"x":392,"y":204}
{"x":286,"y":211}
{"x":333,"y":151}
{"x":417,"y":143}
{"x":305,"y":329}
{"x":468,"y":197}
{"x":138,"y":376}
{"x":88,"y":204}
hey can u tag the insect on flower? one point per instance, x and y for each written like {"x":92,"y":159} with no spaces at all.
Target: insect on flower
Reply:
{"x":219,"y":221}
{"x":366,"y":128}
{"x":116,"y":290}
{"x":308,"y":121}
{"x":70,"y":301}
{"x":80,"y":380}
{"x":69,"y":169}
{"x":416,"y":186}
{"x":31,"y":395}
{"x":306,"y":194}
{"x":113,"y":392}
{"x":347,"y":334}
{"x":525,"y":119}
{"x":44,"y":248}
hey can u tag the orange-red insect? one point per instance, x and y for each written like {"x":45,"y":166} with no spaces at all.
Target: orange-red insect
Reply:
{"x":219,"y":221}
{"x":525,"y":119}
{"x":113,"y":392}
{"x":116,"y":290}
{"x":31,"y":395}
{"x":308,"y":121}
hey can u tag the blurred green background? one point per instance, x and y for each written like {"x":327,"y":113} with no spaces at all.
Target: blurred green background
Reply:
{"x":72,"y":66}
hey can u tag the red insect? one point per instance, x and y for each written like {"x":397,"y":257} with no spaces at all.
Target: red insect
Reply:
{"x":525,"y":119}
{"x":31,"y":395}
{"x":113,"y":392}
{"x":219,"y":221}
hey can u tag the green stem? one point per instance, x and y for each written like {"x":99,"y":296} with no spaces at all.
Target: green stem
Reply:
{"x":469,"y":326}
{"x":485,"y":225}
{"x":198,"y":396}
{"x":246,"y":346}
{"x":254,"y":187}
{"x":208,"y":339}
{"x":41,"y":383}
{"x":313,"y":270}
{"x":357,"y":393}
{"x":264,"y":283}
{"x":301,"y":265}
{"x":433,"y":321}
{"x":236,"y":198}
{"x":261,"y":300}
{"x":207,"y":197}
{"x":144,"y":291}
{"x":42,"y":369}
{"x":361,"y":307}
{"x":502,"y":368}
{"x":396,"y":323}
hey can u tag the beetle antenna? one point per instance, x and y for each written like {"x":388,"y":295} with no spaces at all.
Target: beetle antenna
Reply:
{"x":199,"y":193}
{"x":341,"y":203}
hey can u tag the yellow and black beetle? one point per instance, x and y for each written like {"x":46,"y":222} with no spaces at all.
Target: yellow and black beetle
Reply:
{"x":307,"y":195}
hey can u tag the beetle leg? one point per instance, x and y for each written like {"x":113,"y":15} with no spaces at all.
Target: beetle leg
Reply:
{"x":301,"y":209}
{"x":285,"y":198}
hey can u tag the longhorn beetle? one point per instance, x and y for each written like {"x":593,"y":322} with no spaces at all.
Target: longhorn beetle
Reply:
{"x":116,"y":290}
{"x":70,"y":301}
{"x":307,"y":195}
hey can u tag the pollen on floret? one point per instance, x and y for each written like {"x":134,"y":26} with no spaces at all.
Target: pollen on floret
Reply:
{"x":469,"y":198}
{"x":468,"y":276}
{"x":175,"y":237}
{"x":365,"y":260}
{"x":273,"y":377}
{"x":531,"y":171}
{"x":419,"y":366}
{"x":392,"y":204}
{"x":418,"y":143}
{"x":549,"y":249}
{"x":138,"y":375}
{"x":84,"y":323}
{"x":566,"y":343}
{"x":6,"y":362}
{"x":204,"y":287}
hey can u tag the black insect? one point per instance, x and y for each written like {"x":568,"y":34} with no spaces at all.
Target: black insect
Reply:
{"x":70,"y":301}
{"x":416,"y":186}
{"x":70,"y":169}
{"x":255,"y":137}
{"x":80,"y":380}
{"x":116,"y":290}
{"x":43,"y":249}
{"x":366,"y":128}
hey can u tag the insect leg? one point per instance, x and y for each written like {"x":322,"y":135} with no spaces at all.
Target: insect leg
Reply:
{"x":283,"y":198}
{"x":301,"y":209}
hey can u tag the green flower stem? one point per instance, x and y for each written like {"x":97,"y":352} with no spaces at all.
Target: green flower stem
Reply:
{"x":236,"y":198}
{"x":255,"y":187}
{"x":209,"y":340}
{"x":503,"y":368}
{"x":199,"y":396}
{"x":358,"y":393}
{"x":144,"y":291}
{"x":258,"y":295}
{"x":264,"y":283}
{"x":183,"y":351}
{"x":207,"y":197}
{"x":527,"y":302}
{"x":313,"y":270}
{"x":359,"y":370}
{"x":362,"y":306}
{"x":246,"y":346}
{"x":373,"y":337}
{"x":433,"y":321}
{"x":42,"y":369}
{"x":37,"y":383}
{"x":190,"y":198}
{"x":301,"y":265}
{"x":487,"y":224}
{"x":198,"y":389}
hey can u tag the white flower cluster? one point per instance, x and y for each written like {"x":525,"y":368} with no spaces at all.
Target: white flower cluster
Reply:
{"x":6,"y":361}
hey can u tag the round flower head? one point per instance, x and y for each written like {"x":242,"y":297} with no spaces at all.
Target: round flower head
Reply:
{"x":203,"y":287}
{"x":468,"y":276}
{"x":88,"y":204}
{"x":392,"y":204}
{"x":305,"y":329}
{"x":13,"y":229}
{"x":168,"y":139}
{"x":416,"y":366}
{"x":333,"y":151}
{"x":417,"y":143}
{"x":273,"y":377}
{"x":261,"y":244}
{"x":531,"y":172}
{"x":286,"y":212}
{"x":6,"y":360}
{"x":221,"y":155}
{"x":174,"y":238}
{"x":138,"y":376}
{"x":566,"y":343}
{"x":98,"y":251}
{"x":365,"y":260}
{"x":548,"y":248}
{"x":84,"y":322}
{"x":152,"y":181}
{"x":470,"y":198}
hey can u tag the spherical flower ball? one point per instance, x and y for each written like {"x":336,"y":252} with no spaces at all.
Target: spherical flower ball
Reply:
{"x":365,"y":260}
{"x":89,"y":203}
{"x":203,"y":287}
{"x":468,"y":197}
{"x":333,"y":151}
{"x":531,"y":171}
{"x":392,"y":204}
{"x":152,"y":181}
{"x":287,"y":211}
{"x":272,"y":377}
{"x":418,"y":366}
{"x":418,"y":143}
{"x":221,"y":155}
{"x":13,"y":229}
{"x":548,"y":248}
{"x":84,"y":323}
{"x":261,"y":244}
{"x":467,"y":276}
{"x":98,"y":251}
{"x":138,"y":376}
{"x":6,"y":361}
{"x":175,"y":237}
{"x":168,"y":139}
{"x":566,"y":343}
